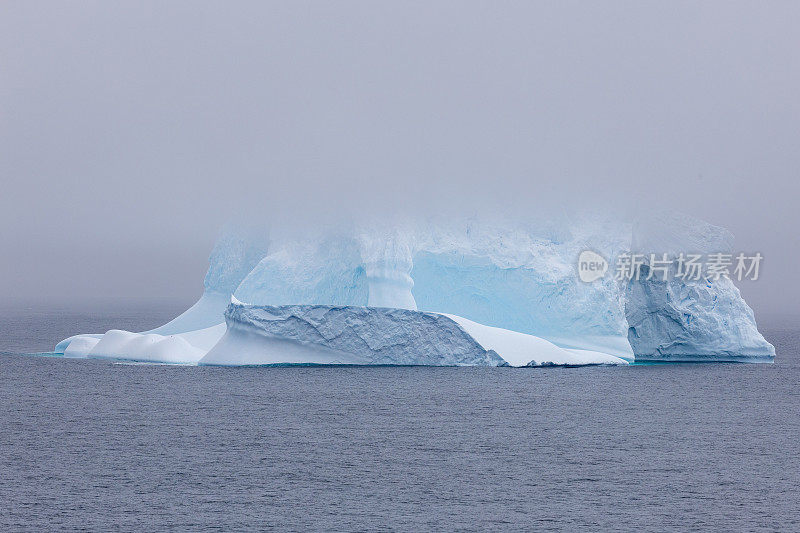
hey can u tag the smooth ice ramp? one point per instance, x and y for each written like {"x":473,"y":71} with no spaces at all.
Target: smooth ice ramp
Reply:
{"x":318,"y":334}
{"x":520,"y":349}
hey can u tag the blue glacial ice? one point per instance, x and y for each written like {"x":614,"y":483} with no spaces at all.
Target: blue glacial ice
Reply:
{"x":448,"y":293}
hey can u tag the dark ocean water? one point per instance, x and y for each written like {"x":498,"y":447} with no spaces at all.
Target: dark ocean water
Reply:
{"x":102,"y":446}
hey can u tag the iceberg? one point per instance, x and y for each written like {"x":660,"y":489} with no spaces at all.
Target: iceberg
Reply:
{"x":465,"y":292}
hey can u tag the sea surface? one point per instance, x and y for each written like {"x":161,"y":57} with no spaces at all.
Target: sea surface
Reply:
{"x":101,"y":446}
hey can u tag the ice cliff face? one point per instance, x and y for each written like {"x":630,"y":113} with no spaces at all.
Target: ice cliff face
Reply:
{"x":688,"y":320}
{"x":692,"y":321}
{"x":449,"y":292}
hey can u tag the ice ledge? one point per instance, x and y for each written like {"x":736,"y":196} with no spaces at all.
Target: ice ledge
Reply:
{"x":321,"y":334}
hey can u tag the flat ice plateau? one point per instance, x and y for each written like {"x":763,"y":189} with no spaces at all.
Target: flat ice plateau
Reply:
{"x":450,"y":293}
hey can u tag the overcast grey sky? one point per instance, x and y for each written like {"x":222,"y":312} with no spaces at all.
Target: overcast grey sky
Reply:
{"x":129,"y":131}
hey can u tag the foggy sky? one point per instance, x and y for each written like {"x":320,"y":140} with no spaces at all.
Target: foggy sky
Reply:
{"x":130,"y":131}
